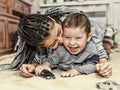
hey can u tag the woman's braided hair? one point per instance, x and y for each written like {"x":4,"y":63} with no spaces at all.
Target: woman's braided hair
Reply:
{"x":34,"y":28}
{"x":60,"y":11}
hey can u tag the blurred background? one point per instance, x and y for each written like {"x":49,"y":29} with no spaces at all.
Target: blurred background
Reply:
{"x":105,"y":12}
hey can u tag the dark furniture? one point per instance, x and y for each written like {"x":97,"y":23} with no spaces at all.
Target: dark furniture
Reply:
{"x":10,"y":13}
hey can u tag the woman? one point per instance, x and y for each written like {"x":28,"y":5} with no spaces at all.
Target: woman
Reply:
{"x":38,"y":33}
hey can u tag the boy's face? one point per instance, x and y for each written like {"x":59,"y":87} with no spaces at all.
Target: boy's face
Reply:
{"x":75,"y":39}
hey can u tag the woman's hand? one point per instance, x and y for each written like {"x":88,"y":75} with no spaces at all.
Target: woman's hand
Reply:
{"x":27,"y":70}
{"x":41,"y":67}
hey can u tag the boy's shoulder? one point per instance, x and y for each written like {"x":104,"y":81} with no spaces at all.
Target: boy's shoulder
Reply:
{"x":90,"y":43}
{"x":91,"y":47}
{"x":61,"y":48}
{"x":61,"y":51}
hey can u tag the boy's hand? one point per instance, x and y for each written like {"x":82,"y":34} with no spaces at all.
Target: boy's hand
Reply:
{"x":27,"y":70}
{"x":104,"y":68}
{"x":70,"y":73}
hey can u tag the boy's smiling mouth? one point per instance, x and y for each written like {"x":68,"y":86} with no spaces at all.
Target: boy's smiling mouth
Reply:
{"x":73,"y":50}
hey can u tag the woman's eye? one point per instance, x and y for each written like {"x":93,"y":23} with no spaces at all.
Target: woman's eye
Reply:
{"x":64,"y":36}
{"x":53,"y":44}
{"x":67,"y":37}
{"x":78,"y":38}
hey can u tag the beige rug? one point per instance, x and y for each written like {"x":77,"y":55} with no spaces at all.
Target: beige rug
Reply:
{"x":10,"y":80}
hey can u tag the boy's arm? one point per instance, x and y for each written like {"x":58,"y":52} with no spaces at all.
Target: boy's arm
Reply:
{"x":98,"y":35}
{"x":103,"y":60}
{"x":88,"y":66}
{"x":85,"y":69}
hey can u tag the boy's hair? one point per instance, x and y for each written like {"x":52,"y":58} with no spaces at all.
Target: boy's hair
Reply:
{"x":75,"y":20}
{"x":34,"y":28}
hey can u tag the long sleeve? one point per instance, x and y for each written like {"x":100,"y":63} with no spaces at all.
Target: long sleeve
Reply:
{"x":88,"y":66}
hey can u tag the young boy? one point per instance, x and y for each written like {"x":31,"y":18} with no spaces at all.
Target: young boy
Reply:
{"x":104,"y":68}
{"x":70,"y":56}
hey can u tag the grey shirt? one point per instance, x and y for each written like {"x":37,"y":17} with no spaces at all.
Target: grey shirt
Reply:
{"x":84,"y":62}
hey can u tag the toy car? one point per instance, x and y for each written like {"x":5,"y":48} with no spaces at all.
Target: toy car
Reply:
{"x":108,"y":85}
{"x":47,"y":74}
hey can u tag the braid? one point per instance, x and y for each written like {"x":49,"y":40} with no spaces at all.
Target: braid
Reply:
{"x":58,"y":12}
{"x":34,"y":28}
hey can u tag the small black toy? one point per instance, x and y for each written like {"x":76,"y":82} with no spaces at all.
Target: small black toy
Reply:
{"x":47,"y":74}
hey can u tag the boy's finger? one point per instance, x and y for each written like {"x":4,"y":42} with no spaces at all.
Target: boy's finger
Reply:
{"x":97,"y":67}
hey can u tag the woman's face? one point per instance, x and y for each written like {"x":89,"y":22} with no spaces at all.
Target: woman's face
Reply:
{"x":55,"y":37}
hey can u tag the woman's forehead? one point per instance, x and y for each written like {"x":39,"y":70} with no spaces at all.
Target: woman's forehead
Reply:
{"x":56,"y":30}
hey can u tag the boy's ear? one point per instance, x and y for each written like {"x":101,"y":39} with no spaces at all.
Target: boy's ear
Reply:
{"x":89,"y":37}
